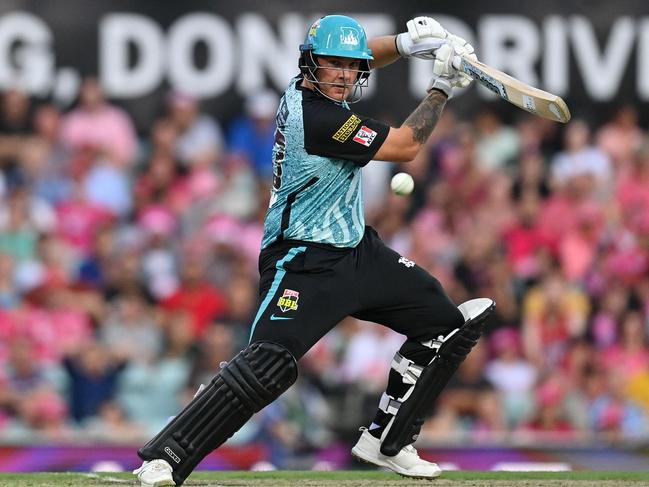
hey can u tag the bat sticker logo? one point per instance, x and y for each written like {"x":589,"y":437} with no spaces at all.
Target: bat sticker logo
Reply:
{"x":529,"y":104}
{"x":486,"y":80}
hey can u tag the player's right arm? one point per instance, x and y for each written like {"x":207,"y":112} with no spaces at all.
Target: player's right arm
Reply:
{"x":404,"y":143}
{"x":425,"y":39}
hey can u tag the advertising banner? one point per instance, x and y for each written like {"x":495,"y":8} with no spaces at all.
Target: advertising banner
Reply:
{"x":594,"y":55}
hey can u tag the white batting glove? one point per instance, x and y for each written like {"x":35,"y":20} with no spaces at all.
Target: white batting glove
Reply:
{"x":445,"y":73}
{"x":421,"y":28}
{"x":461,"y":48}
{"x":425,"y":35}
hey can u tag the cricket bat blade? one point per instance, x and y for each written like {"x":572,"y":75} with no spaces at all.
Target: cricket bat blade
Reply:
{"x":516,"y":92}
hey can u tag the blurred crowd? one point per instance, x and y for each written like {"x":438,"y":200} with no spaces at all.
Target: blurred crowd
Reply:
{"x":128,"y":273}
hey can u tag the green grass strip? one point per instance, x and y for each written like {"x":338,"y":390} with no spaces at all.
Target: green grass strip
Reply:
{"x":349,"y":475}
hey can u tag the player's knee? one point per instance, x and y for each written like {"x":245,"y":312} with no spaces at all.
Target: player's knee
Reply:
{"x":442,"y":314}
{"x":441,"y":319}
{"x":261,"y":372}
{"x":292,"y":344}
{"x":454,"y":318}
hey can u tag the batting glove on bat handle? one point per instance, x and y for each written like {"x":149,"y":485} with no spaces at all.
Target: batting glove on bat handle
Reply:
{"x":446,"y":65}
{"x":445,"y":71}
{"x":425,"y":36}
{"x":461,"y":49}
{"x":441,"y":84}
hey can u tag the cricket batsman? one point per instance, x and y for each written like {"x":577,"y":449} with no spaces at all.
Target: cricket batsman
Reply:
{"x":319,"y":262}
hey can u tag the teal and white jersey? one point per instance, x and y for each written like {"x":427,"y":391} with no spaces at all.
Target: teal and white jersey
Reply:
{"x":320,"y":147}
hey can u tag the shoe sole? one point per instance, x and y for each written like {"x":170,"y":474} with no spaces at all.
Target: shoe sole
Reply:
{"x":158,"y":483}
{"x":357,"y":454}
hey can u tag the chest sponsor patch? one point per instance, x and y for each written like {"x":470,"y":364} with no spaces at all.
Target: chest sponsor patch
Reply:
{"x":288,"y":301}
{"x":346,"y":129}
{"x":365,"y":136}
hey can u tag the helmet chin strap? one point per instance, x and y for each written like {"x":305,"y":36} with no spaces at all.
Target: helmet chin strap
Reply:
{"x":356,"y":92}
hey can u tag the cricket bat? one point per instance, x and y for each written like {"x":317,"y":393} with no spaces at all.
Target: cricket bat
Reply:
{"x":516,"y":92}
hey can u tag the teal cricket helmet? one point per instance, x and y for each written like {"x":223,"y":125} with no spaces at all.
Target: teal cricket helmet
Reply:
{"x":337,"y":35}
{"x":340,"y":36}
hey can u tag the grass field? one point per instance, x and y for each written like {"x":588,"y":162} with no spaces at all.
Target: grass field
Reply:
{"x":344,"y":479}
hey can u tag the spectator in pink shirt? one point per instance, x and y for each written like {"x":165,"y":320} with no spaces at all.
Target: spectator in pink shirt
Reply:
{"x":523,"y":240}
{"x":550,"y":414}
{"x":613,"y":303}
{"x":431,"y":240}
{"x":560,"y":212}
{"x":621,"y":136}
{"x":97,"y":124}
{"x":496,"y":211}
{"x":632,"y":192}
{"x":63,"y":314}
{"x":631,"y":355}
{"x":79,"y":219}
{"x":627,"y":258}
{"x":578,"y":247}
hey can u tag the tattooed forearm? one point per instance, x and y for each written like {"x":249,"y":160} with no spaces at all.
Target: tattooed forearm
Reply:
{"x":423,"y":119}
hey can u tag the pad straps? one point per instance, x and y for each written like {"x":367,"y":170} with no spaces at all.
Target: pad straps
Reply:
{"x":426,"y":383}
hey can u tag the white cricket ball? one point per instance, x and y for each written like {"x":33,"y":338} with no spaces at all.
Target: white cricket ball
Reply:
{"x":402,"y":183}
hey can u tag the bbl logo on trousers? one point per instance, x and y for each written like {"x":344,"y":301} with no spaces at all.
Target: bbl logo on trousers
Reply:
{"x":288,"y":301}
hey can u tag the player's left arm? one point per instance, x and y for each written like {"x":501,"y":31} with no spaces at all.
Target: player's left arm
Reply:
{"x":384,"y":50}
{"x":422,"y":40}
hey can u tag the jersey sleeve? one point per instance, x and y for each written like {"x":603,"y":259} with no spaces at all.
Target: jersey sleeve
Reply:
{"x":331,"y":130}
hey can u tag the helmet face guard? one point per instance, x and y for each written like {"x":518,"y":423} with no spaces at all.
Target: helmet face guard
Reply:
{"x":309,"y":67}
{"x":336,"y":36}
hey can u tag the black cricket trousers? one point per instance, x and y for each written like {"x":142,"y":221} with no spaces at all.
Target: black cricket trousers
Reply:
{"x":306,"y":289}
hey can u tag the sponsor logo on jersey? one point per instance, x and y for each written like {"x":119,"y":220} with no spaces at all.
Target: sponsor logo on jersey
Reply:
{"x":346,"y":129}
{"x":406,"y":262}
{"x":288,"y":301}
{"x":365,"y":136}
